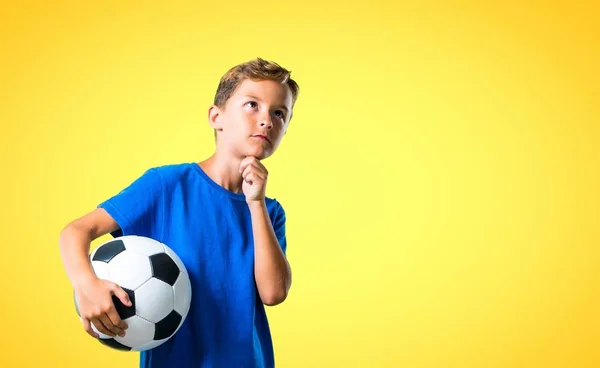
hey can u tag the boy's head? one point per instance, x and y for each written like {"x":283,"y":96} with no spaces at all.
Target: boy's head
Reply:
{"x":252,"y":108}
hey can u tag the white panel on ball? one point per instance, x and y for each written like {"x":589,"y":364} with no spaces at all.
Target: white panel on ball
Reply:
{"x":130,"y":270}
{"x":141,"y":245}
{"x":154,"y":300}
{"x":183,"y":294}
{"x":101,"y":270}
{"x":138,"y":333}
{"x":150,"y":345}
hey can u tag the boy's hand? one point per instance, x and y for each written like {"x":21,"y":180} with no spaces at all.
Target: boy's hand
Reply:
{"x":96,"y":306}
{"x":255,"y":176}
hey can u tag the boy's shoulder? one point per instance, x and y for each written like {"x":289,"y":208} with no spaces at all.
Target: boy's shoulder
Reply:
{"x":162,"y":177}
{"x":172,"y":171}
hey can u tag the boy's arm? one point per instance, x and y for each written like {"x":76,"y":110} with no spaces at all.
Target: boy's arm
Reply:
{"x":271,"y":269}
{"x":75,"y":240}
{"x":94,"y":295}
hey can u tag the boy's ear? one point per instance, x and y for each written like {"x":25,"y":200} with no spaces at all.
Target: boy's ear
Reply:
{"x":214,"y":117}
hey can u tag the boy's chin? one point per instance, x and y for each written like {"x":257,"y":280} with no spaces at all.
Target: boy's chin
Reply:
{"x":258,"y":153}
{"x":260,"y":156}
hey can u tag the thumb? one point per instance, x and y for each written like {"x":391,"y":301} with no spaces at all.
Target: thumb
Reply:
{"x":122,"y":295}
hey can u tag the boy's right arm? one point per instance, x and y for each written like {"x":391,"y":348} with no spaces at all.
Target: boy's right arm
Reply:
{"x":94,"y":295}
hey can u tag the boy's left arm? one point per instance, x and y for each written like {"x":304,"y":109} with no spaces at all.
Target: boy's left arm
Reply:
{"x":271,"y":269}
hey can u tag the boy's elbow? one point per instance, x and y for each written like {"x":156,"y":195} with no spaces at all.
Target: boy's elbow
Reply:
{"x":66,"y":234}
{"x":274,"y":297}
{"x":70,"y":230}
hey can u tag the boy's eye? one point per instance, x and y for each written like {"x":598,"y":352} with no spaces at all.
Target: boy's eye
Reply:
{"x":280,"y":114}
{"x":252,"y":104}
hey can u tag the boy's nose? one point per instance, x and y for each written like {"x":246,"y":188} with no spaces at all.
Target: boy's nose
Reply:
{"x":266,"y":122}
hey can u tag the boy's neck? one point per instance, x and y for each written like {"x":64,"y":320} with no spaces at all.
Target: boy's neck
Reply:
{"x":224,"y":171}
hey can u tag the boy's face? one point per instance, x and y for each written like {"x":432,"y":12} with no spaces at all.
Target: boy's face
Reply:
{"x":254,"y":120}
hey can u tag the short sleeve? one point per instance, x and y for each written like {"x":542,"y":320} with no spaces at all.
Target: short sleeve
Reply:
{"x":279,"y":223}
{"x":137,"y":208}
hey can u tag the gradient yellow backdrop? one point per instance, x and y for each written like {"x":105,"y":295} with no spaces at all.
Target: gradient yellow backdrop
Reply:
{"x":441,"y":174}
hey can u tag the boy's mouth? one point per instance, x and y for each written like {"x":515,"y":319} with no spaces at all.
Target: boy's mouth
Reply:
{"x":263,"y":137}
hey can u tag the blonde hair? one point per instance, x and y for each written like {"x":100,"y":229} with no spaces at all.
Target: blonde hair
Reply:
{"x":257,"y":69}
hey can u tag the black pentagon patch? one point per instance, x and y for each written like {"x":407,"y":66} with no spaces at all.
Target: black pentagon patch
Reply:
{"x":123,"y":310}
{"x":164,"y":268}
{"x":109,"y":250}
{"x":114,"y":344}
{"x":167,"y":326}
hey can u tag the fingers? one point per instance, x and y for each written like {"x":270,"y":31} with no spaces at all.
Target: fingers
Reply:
{"x":122,"y":295}
{"x":87,"y":326}
{"x":100,"y":327}
{"x":245,"y":162}
{"x":252,"y":175}
{"x":99,"y":314}
{"x":116,"y":321}
{"x":252,"y":161}
{"x":111,"y":326}
{"x":112,"y":312}
{"x":250,"y":178}
{"x":253,"y":170}
{"x":255,"y":167}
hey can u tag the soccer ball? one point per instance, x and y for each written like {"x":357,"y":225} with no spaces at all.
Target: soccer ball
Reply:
{"x":158,"y":286}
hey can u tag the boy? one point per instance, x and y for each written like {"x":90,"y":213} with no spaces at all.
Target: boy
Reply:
{"x":215,"y":216}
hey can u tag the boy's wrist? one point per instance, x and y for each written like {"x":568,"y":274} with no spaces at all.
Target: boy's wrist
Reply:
{"x":256,"y":204}
{"x":83,"y":280}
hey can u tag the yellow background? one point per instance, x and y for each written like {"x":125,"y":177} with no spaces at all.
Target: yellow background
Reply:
{"x":441,"y":174}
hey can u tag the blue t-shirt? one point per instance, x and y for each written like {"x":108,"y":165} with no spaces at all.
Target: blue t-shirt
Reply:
{"x":210,"y":229}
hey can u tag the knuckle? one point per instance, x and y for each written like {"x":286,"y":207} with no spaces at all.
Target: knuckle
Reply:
{"x":91,"y":314}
